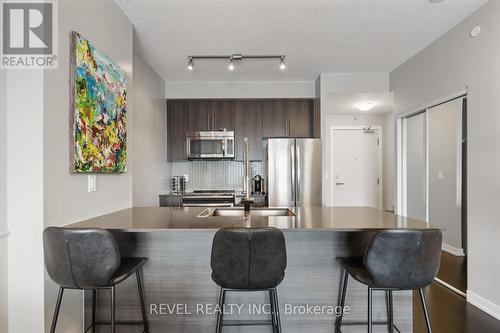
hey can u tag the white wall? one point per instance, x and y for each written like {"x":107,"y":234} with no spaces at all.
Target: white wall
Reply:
{"x":389,"y":150}
{"x":331,"y":84}
{"x":25,"y":200}
{"x":451,"y":63}
{"x":150,"y":135}
{"x":3,"y":202}
{"x":239,"y":89}
{"x":66,"y":198}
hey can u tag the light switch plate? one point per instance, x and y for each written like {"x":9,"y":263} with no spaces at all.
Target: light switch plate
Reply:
{"x":92,"y":182}
{"x":440,"y":175}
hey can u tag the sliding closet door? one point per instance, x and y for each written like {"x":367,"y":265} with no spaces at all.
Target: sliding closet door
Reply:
{"x":445,"y":171}
{"x":416,"y":177}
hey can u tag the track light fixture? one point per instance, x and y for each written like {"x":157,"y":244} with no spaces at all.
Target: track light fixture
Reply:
{"x":282,"y":63}
{"x":233,"y":57}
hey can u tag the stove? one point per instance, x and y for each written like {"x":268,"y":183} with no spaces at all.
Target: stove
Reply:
{"x":209,"y":198}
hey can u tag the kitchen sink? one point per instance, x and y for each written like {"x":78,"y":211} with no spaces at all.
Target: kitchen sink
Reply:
{"x":237,"y":212}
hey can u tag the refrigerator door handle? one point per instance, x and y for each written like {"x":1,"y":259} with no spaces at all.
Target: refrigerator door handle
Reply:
{"x":297,"y":163}
{"x":292,"y":173}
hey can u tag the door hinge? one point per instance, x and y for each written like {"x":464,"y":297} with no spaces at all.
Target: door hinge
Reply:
{"x":378,"y":142}
{"x":378,"y":181}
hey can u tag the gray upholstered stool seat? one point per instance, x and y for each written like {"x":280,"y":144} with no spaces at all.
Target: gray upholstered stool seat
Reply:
{"x":249,"y":259}
{"x":399,"y":259}
{"x":128,"y":266}
{"x":89,"y":259}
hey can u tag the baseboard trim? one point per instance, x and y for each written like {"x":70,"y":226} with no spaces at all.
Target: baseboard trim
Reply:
{"x":483,"y":304}
{"x":449,"y":286}
{"x":453,"y":250}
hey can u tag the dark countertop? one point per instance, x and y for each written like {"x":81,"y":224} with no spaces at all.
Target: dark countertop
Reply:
{"x":142,"y":219}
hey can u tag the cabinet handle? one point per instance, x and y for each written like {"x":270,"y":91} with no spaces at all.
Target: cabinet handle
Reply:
{"x":208,"y":121}
{"x":213,"y":121}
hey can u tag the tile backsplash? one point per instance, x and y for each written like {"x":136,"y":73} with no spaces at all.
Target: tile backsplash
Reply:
{"x":213,"y":175}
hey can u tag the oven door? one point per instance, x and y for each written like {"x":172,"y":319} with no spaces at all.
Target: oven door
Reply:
{"x":208,"y":201}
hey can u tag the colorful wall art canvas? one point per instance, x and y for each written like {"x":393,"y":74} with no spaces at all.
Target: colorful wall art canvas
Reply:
{"x":98,"y":110}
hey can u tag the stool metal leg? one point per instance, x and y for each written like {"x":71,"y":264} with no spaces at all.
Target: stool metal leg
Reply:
{"x":273,"y":309}
{"x":426,"y":311}
{"x":390,"y":313}
{"x":141,"y":297}
{"x":222,"y":297}
{"x":277,"y":306}
{"x":56,"y":310}
{"x":113,"y":309}
{"x":338,"y":324}
{"x":370,"y":310}
{"x":94,"y":306}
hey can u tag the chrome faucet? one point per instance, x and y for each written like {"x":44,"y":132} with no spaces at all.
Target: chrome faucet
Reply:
{"x":247,"y":200}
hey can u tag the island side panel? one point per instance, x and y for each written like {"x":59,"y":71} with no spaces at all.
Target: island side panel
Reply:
{"x":178,"y":272}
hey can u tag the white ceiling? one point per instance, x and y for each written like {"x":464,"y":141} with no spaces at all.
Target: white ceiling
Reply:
{"x":317,"y":36}
{"x":347,"y":103}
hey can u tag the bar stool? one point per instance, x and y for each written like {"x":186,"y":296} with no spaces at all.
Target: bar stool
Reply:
{"x":395,"y":260}
{"x":249,"y":259}
{"x":89,"y":259}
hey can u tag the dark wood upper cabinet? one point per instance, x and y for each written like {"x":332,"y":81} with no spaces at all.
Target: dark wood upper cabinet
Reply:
{"x":248,"y":124}
{"x":200,"y":115}
{"x":288,"y":118}
{"x":177,"y":114}
{"x":253,"y":119}
{"x":222,"y":115}
{"x":275,"y":120}
{"x":301,"y":118}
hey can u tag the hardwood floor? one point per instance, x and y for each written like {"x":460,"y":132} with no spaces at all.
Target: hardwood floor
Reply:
{"x":450,"y":313}
{"x":453,"y":270}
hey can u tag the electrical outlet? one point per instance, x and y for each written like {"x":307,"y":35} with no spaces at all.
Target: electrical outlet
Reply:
{"x":92,"y":182}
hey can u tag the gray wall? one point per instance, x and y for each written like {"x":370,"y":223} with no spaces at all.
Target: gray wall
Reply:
{"x":3,"y":202}
{"x":66,"y":198}
{"x":240,"y":89}
{"x":150,"y":135}
{"x":451,"y":63}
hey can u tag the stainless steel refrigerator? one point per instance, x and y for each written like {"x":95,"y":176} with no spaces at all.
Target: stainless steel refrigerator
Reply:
{"x":292,"y":171}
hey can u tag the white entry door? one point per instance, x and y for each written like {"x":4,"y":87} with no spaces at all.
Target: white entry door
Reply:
{"x":356,"y":167}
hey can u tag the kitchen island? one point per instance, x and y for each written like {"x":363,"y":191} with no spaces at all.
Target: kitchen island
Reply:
{"x":180,"y":293}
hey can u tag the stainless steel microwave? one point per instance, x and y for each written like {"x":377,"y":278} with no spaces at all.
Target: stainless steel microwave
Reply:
{"x":210,"y":145}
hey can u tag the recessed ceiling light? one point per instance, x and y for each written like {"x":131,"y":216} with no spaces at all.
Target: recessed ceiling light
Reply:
{"x":365,"y":106}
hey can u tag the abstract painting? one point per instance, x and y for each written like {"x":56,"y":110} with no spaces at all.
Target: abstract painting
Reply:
{"x":98,"y":101}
